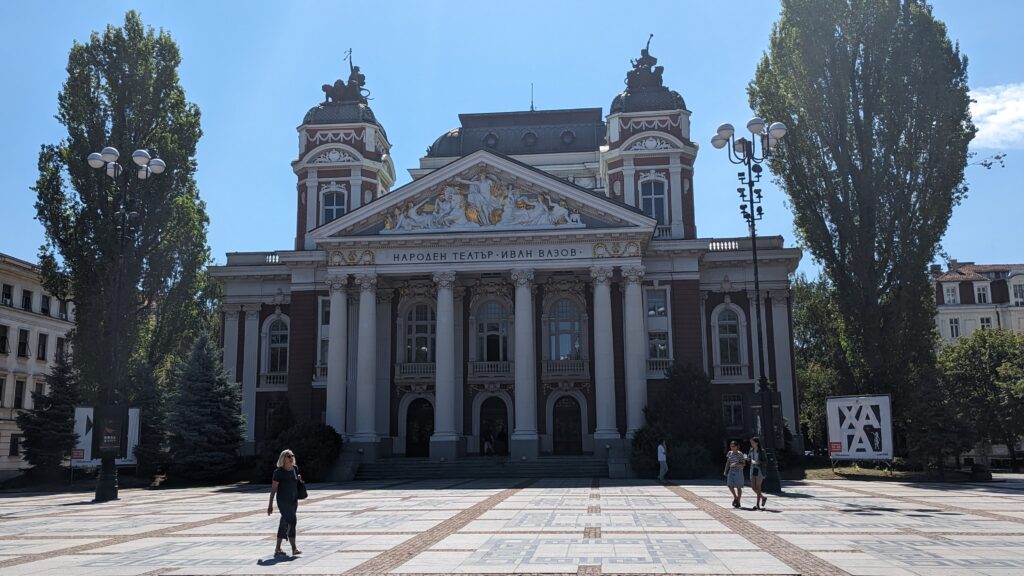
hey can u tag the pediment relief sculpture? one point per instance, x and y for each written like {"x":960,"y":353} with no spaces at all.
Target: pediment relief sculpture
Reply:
{"x":484,"y":201}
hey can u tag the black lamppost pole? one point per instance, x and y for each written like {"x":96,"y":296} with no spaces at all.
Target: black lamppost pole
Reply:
{"x":106,"y":482}
{"x":751,"y":153}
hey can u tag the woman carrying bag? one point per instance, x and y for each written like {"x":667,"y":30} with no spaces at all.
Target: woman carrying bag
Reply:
{"x":289,"y":488}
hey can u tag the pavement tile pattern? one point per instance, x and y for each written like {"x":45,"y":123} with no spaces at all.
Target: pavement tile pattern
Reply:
{"x":526,"y":526}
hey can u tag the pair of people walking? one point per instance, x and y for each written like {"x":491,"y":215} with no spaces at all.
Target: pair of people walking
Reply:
{"x":285,"y":486}
{"x":735,"y":462}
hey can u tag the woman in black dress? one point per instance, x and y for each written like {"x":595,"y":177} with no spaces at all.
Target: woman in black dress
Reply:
{"x":285,"y":487}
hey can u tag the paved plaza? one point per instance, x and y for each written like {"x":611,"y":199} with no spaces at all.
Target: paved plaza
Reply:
{"x":533,"y":526}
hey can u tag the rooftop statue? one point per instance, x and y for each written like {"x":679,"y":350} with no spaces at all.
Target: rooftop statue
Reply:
{"x":645,"y":74}
{"x":352,"y":91}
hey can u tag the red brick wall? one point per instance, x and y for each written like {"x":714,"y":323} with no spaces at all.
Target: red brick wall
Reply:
{"x":302,"y":346}
{"x":685,"y":321}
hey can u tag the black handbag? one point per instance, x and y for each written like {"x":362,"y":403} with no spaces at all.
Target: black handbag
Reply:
{"x":300,"y":486}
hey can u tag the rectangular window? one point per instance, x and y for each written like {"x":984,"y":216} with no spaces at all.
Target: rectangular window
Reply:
{"x":15,"y":445}
{"x":1018,"y":294}
{"x":5,"y":345}
{"x":325,"y":311}
{"x":19,"y":394}
{"x":657,"y":303}
{"x":3,"y":390}
{"x":59,"y":351}
{"x":954,"y":328}
{"x":26,"y":299}
{"x":23,"y":343}
{"x":657,"y":345}
{"x":952,"y":296}
{"x":732,"y":410}
{"x":44,"y":307}
{"x":63,"y":309}
{"x":41,"y":346}
{"x":981,"y":295}
{"x":38,"y":397}
{"x":323,"y":351}
{"x":986,"y":323}
{"x":7,"y":298}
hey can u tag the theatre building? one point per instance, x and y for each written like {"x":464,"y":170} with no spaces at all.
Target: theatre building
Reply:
{"x":524,"y":293}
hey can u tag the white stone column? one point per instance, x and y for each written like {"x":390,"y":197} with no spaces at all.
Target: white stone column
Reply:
{"x":752,"y":302}
{"x":676,"y":193}
{"x":444,"y":441}
{"x":356,"y":184}
{"x":783,"y":360}
{"x":337,"y":353}
{"x":604,"y":355}
{"x":524,"y":436}
{"x":231,"y":312}
{"x":250,"y":370}
{"x":635,"y":349}
{"x":629,"y":183}
{"x":366,"y":371}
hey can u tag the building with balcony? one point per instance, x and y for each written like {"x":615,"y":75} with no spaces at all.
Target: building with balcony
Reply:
{"x":530,"y":285}
{"x":34,"y":329}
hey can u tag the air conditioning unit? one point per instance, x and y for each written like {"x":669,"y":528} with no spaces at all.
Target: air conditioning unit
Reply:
{"x":7,"y":302}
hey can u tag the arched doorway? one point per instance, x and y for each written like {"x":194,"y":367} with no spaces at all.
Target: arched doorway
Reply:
{"x":419,"y":425}
{"x":494,"y":426}
{"x":566,"y":421}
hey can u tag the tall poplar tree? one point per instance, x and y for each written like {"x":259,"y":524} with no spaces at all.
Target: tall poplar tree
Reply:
{"x":876,"y":99}
{"x":140,"y":292}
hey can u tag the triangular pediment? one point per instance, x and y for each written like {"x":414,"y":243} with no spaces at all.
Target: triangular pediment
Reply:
{"x":484,"y":192}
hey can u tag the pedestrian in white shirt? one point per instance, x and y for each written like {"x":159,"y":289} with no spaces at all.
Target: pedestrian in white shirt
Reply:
{"x":662,"y":461}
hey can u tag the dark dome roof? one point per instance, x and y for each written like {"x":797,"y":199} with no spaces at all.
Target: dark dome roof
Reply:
{"x":660,"y":98}
{"x":341,"y":113}
{"x":448,"y":144}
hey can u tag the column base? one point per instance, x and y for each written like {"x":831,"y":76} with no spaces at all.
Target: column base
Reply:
{"x":367,"y":450}
{"x":444,"y":447}
{"x":525,"y":446}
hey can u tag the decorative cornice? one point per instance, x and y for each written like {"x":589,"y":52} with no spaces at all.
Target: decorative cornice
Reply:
{"x":351,"y":258}
{"x":616,"y":249}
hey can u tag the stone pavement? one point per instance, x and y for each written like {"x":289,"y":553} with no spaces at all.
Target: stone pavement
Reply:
{"x":502,"y":526}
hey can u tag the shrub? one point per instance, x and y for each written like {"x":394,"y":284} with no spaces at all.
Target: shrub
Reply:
{"x":316,"y":447}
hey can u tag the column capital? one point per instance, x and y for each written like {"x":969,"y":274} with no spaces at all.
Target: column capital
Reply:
{"x":385,"y":295}
{"x":252,"y":309}
{"x":780,"y":297}
{"x":367,"y":282}
{"x":522,"y":277}
{"x":445,"y":279}
{"x":633,"y":274}
{"x":337,"y":282}
{"x":601,"y":274}
{"x":231,"y":311}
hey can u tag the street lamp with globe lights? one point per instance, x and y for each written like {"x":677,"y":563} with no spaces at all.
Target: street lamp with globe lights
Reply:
{"x":752,"y":153}
{"x":107,"y":422}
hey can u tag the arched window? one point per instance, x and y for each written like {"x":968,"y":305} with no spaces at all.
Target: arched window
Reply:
{"x":652,"y":199}
{"x":729,"y":338}
{"x":333,"y":206}
{"x":277,"y":354}
{"x":420,"y":332}
{"x":492,"y":333}
{"x":565,"y":329}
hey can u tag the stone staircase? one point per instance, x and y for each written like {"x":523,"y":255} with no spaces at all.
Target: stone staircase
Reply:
{"x":484,"y":467}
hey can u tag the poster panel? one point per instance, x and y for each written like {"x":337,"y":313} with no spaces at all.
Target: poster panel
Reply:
{"x":859,"y":427}
{"x":122,"y":440}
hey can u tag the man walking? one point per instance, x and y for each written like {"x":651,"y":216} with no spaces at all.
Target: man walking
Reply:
{"x":662,"y":461}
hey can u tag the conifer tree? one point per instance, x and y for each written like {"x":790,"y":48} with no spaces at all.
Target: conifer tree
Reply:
{"x":49,"y":427}
{"x":205,"y":421}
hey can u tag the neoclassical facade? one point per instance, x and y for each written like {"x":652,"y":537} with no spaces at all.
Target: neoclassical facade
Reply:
{"x":522,"y":295}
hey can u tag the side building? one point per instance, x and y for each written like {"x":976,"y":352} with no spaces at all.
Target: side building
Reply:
{"x":975,"y":296}
{"x":527,"y":289}
{"x":34,"y":329}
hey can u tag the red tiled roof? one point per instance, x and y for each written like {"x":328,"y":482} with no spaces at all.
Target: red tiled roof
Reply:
{"x":957,"y":276}
{"x":992,"y":267}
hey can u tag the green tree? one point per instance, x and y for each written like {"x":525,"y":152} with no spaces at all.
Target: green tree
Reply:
{"x":876,"y":99}
{"x":688,"y":419}
{"x":140,"y":291}
{"x":818,"y":353}
{"x":49,"y":428}
{"x":982,"y":377}
{"x":205,"y":419}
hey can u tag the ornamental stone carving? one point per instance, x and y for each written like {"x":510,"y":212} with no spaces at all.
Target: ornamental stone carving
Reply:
{"x":616,"y":249}
{"x":633,"y":274}
{"x":445,"y":279}
{"x":601,"y":274}
{"x":337,"y":282}
{"x":780,"y":297}
{"x":334,"y":156}
{"x":252,"y":309}
{"x":351,"y":258}
{"x":231,"y":311}
{"x":522,"y":277}
{"x":367,"y":282}
{"x":651,"y":143}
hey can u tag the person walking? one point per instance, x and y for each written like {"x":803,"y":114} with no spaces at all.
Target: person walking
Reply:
{"x":662,"y":461}
{"x":285,"y":487}
{"x":757,"y":473}
{"x":733,"y":472}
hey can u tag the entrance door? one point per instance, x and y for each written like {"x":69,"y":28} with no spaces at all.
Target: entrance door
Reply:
{"x":566,"y":421}
{"x":419,"y":425}
{"x":494,"y":426}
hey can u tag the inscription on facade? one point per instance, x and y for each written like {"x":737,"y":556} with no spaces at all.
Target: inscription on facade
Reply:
{"x":488,"y":255}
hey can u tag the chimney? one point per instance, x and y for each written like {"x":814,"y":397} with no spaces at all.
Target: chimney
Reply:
{"x":953,"y":265}
{"x":935,"y":269}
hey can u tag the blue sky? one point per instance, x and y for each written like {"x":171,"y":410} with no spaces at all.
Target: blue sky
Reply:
{"x":254,"y":68}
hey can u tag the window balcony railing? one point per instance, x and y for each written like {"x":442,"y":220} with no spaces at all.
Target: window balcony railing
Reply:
{"x":415,"y":370}
{"x":730,"y":371}
{"x":273,"y":379}
{"x":658,"y":365}
{"x":663,"y":231}
{"x":490,"y":369}
{"x":566,"y":368}
{"x":320,"y":371}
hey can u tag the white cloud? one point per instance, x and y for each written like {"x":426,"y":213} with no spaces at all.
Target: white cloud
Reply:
{"x":999,"y":115}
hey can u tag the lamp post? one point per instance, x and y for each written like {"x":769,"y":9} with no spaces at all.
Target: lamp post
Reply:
{"x":751,"y":153}
{"x":108,"y":424}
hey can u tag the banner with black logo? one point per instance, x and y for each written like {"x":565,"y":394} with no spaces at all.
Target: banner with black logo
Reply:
{"x":859,"y":427}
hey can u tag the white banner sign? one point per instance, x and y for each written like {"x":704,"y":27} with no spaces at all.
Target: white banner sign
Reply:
{"x":859,"y":428}
{"x":85,"y":427}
